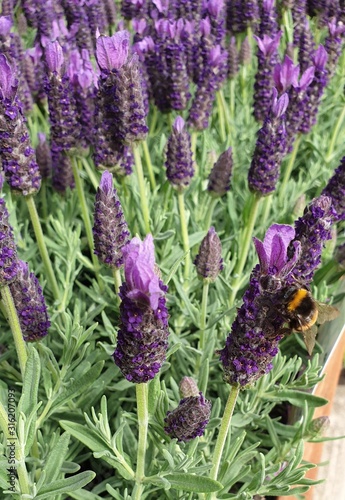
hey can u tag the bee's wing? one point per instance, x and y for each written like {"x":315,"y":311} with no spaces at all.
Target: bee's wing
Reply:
{"x":326,"y":313}
{"x":309,"y":338}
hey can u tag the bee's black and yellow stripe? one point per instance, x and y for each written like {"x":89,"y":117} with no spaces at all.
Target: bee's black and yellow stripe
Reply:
{"x":302,"y":308}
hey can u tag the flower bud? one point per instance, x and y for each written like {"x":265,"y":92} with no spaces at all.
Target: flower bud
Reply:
{"x":209,"y":260}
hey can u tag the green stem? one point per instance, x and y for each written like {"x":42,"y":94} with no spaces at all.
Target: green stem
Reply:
{"x":90,"y":173}
{"x":42,"y":247}
{"x":232,"y":98}
{"x":76,"y":164}
{"x":266,"y":208}
{"x":245,"y":244}
{"x":221,"y":120}
{"x":184,"y":231}
{"x":153,"y":122}
{"x":223,"y":432}
{"x":13,"y":320}
{"x":143,"y":419}
{"x":117,"y":282}
{"x":149,"y":165}
{"x":226,"y":115}
{"x":335,"y":135}
{"x":43,"y":196}
{"x":142,"y":189}
{"x":203,"y":314}
{"x":211,"y":207}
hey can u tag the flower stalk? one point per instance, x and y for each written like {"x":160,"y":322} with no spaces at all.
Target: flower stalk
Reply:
{"x":184,"y":232}
{"x":142,"y":189}
{"x":15,"y":327}
{"x":30,"y":202}
{"x":142,"y":408}
{"x":223,"y":432}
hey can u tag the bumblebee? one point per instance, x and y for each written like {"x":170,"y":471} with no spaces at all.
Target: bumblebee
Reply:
{"x":302,"y":312}
{"x":301,"y":308}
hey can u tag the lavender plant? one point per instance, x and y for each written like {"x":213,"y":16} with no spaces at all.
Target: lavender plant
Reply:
{"x":134,"y":373}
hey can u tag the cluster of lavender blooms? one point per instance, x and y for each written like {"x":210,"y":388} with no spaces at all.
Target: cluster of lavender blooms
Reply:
{"x":24,"y":286}
{"x":142,"y":339}
{"x":192,"y":414}
{"x":179,"y":156}
{"x":17,"y":155}
{"x":287,"y":255}
{"x":269,"y":149}
{"x":110,"y":230}
{"x":209,"y":262}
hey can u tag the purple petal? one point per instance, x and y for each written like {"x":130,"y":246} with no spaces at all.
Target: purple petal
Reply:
{"x":179,"y":124}
{"x":112,"y":51}
{"x":306,"y":78}
{"x":5,"y":25}
{"x":54,"y":56}
{"x":8,"y":83}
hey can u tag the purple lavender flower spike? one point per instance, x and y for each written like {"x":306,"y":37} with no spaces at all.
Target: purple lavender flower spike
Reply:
{"x":315,"y":90}
{"x":297,"y":105}
{"x":121,"y":100}
{"x":209,"y":82}
{"x":233,"y":58}
{"x":142,"y":339}
{"x":43,"y":156}
{"x":167,"y":68}
{"x":245,"y":55}
{"x":312,"y":230}
{"x":209,"y":260}
{"x":269,"y":149}
{"x":77,"y":22}
{"x":17,"y":155}
{"x":268,"y":18}
{"x":189,"y":419}
{"x":267,"y":60}
{"x":62,"y":173}
{"x":110,"y":230}
{"x":30,"y":304}
{"x":64,"y":126}
{"x":8,"y":249}
{"x":299,"y":17}
{"x":253,"y":341}
{"x":335,"y":190}
{"x":220,"y":176}
{"x":179,"y":157}
{"x":333,"y":44}
{"x":306,"y":47}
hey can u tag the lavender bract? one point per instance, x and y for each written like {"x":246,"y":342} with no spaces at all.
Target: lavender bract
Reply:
{"x":209,"y":260}
{"x":8,"y":249}
{"x":335,"y":190}
{"x":190,"y":418}
{"x":269,"y":149}
{"x":110,"y":230}
{"x":16,"y":153}
{"x":313,"y":229}
{"x":142,"y":338}
{"x":120,"y":90}
{"x":179,"y":158}
{"x":220,"y":175}
{"x":267,"y":59}
{"x":30,"y":304}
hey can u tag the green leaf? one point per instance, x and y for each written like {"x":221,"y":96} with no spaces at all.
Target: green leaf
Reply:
{"x":297,"y":398}
{"x":79,"y":385}
{"x":191,"y":482}
{"x":28,"y":398}
{"x":66,"y":485}
{"x":56,"y":458}
{"x":97,"y":445}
